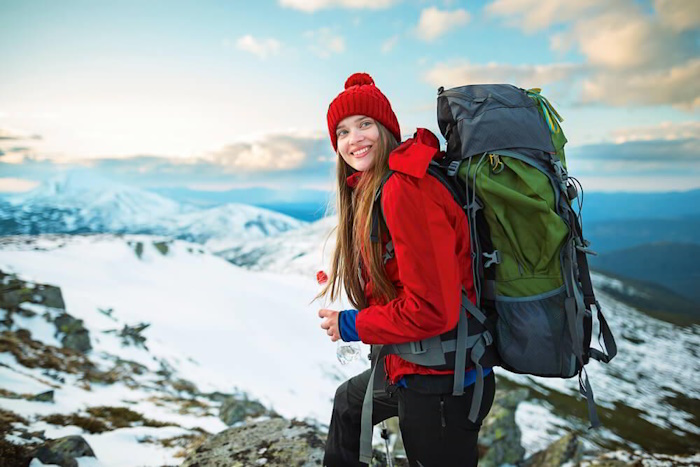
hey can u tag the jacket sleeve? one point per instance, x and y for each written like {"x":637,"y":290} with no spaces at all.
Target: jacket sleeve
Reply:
{"x":429,"y":288}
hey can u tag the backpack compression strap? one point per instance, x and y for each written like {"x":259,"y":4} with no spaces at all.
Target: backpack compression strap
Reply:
{"x":590,"y":301}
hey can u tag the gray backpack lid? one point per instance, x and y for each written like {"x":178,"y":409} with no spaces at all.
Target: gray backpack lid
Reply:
{"x":490,"y":117}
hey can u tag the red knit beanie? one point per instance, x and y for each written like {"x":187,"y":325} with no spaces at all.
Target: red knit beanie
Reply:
{"x":361,"y":97}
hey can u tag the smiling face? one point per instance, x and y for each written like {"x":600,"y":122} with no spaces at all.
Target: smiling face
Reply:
{"x":358,"y":138}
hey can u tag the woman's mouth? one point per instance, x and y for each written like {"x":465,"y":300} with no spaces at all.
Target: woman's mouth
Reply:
{"x":361,"y":152}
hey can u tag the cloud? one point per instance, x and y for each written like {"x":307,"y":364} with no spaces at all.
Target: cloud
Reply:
{"x":11,"y":152}
{"x":633,"y":55}
{"x":325,"y":43}
{"x":263,"y":48}
{"x":533,"y":15}
{"x":17,"y":135}
{"x":389,"y":44}
{"x":653,"y":165}
{"x":434,"y":23}
{"x":627,"y":40}
{"x":680,"y":15}
{"x":270,"y":154}
{"x":662,"y":131}
{"x":15,"y":185}
{"x":665,"y":154}
{"x":526,"y":76}
{"x":278,"y":160}
{"x":310,"y":6}
{"x":678,"y":86}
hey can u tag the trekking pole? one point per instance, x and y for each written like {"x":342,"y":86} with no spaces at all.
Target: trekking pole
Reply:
{"x":385,"y":436}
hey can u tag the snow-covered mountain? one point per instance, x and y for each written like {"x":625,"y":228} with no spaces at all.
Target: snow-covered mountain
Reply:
{"x":80,"y":201}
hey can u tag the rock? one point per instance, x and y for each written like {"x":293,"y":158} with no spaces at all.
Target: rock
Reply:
{"x":51,"y":297}
{"x":9,"y":299}
{"x":567,"y":450}
{"x":63,"y":451}
{"x":131,"y":335}
{"x":162,"y":247}
{"x":75,"y":336}
{"x":499,"y":438}
{"x":43,"y":397}
{"x":274,"y":443}
{"x":14,"y":292}
{"x":217,"y":396}
{"x":234,"y":410}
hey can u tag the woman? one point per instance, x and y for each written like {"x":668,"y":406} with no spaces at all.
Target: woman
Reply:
{"x":409,"y":285}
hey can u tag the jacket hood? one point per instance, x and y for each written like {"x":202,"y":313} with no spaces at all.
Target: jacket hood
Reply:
{"x":412,"y":157}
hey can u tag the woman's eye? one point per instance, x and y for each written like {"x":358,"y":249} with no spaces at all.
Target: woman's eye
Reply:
{"x":365,"y":124}
{"x":341,"y":133}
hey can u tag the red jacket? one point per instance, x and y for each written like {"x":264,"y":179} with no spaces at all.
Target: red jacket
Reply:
{"x":432,"y":258}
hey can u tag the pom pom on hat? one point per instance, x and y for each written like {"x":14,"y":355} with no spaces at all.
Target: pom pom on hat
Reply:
{"x":358,"y":79}
{"x":361,"y":97}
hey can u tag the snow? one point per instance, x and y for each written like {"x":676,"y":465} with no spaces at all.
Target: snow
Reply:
{"x":539,"y":426}
{"x":122,"y":447}
{"x":41,"y":329}
{"x":223,"y":327}
{"x":17,"y":382}
{"x":254,"y":329}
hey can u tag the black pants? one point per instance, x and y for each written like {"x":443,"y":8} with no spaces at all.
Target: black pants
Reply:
{"x":434,"y":427}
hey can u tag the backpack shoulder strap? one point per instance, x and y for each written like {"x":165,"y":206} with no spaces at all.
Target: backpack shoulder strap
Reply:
{"x":377,"y":209}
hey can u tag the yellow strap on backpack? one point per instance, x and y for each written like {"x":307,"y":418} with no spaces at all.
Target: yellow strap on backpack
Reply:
{"x":547,"y":110}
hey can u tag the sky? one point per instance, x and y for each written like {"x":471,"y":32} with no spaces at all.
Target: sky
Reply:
{"x":220,"y":95}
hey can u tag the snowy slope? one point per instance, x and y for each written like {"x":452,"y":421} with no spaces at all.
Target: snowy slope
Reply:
{"x":301,"y":251}
{"x":223,"y":327}
{"x":82,"y":202}
{"x":653,"y":378}
{"x":235,"y":323}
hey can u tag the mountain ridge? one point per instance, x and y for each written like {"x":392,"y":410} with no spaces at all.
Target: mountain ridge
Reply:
{"x":79,"y":203}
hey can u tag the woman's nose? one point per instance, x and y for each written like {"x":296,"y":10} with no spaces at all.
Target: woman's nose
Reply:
{"x":356,"y":135}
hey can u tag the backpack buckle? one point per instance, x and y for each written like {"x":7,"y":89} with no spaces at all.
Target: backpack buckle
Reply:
{"x":559,"y":170}
{"x":453,"y":167}
{"x":475,"y":206}
{"x":488,"y":338}
{"x":493,"y":258}
{"x":417,"y":347}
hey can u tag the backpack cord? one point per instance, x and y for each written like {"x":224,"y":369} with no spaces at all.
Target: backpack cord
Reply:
{"x":579,"y":201}
{"x":472,"y":232}
{"x":474,"y":240}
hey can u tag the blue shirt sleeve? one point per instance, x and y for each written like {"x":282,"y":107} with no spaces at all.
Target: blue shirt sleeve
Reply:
{"x":348,"y":331}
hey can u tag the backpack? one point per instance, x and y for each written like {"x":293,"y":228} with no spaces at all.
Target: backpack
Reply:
{"x":505,"y":165}
{"x":505,"y":158}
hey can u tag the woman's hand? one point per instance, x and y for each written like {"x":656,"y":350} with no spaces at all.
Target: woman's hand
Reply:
{"x":330,"y":323}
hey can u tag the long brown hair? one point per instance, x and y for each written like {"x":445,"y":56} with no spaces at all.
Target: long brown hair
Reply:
{"x":354,"y":208}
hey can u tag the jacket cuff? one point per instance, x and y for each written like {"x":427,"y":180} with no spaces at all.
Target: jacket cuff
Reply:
{"x":348,"y":331}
